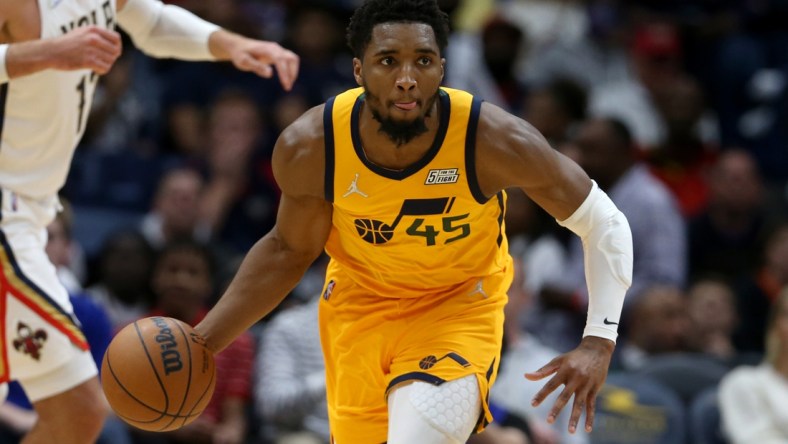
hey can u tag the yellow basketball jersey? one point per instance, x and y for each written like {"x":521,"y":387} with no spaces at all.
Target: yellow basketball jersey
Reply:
{"x":416,"y":231}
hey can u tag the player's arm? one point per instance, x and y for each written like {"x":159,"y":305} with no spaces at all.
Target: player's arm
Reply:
{"x":22,"y":53}
{"x":170,"y":31}
{"x":512,"y":153}
{"x":276,"y":263}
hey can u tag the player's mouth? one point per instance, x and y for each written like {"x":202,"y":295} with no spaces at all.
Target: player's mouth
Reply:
{"x":406,"y":106}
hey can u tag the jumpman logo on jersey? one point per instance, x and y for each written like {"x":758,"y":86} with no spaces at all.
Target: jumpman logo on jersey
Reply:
{"x":479,"y":289}
{"x":353,"y":188}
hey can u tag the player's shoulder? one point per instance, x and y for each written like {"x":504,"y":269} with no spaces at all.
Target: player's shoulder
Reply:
{"x":299,"y":153}
{"x":306,"y":128}
{"x":303,"y":137}
{"x":493,"y":119}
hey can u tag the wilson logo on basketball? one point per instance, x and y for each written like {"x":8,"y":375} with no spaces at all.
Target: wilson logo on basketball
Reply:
{"x":170,"y":355}
{"x":437,"y":177}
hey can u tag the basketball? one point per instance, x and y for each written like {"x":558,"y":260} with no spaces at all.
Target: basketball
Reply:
{"x":157,"y":374}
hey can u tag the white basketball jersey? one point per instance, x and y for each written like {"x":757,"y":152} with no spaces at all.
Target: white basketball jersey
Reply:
{"x":42,"y":116}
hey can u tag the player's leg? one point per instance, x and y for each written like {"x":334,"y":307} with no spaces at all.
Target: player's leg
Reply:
{"x":429,"y":414}
{"x":353,"y":333}
{"x":61,"y":383}
{"x":74,"y":416}
{"x":448,"y":354}
{"x":44,"y":346}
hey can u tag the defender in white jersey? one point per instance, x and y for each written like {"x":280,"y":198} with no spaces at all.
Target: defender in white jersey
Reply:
{"x":52,"y":53}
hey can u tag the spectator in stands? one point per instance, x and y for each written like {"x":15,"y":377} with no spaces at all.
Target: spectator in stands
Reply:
{"x":756,"y":292}
{"x":316,"y":33}
{"x":723,"y":239}
{"x":175,"y":210}
{"x":290,"y":380}
{"x":125,"y":114}
{"x":493,"y":54}
{"x":183,"y":284}
{"x":658,"y":324}
{"x":683,"y":159}
{"x":753,"y":399}
{"x":600,"y":57}
{"x":713,"y":318}
{"x":656,"y":62}
{"x":556,"y":109}
{"x":123,"y":267}
{"x":606,"y":152}
{"x":239,"y":200}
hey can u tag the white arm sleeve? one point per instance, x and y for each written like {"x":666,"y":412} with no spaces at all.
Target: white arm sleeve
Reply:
{"x":607,"y":247}
{"x":165,"y":31}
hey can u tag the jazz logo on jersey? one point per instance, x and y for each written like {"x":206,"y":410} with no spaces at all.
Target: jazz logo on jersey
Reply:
{"x":450,"y":229}
{"x":428,"y":362}
{"x":437,"y":177}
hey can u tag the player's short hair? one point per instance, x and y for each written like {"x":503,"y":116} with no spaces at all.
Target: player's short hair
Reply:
{"x":375,"y":12}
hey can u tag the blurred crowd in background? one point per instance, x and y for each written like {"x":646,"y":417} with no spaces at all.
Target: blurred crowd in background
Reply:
{"x":677,"y":108}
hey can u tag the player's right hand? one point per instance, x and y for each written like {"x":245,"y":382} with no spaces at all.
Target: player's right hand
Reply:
{"x":87,"y":47}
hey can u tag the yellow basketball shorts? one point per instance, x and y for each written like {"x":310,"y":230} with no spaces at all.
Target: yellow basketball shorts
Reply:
{"x":371,"y":344}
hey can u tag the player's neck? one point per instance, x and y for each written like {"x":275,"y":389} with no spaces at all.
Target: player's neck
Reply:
{"x":381,"y":150}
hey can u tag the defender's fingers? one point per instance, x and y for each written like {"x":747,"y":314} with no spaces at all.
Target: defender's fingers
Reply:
{"x":109,"y":35}
{"x":250,"y":63}
{"x":287,"y":68}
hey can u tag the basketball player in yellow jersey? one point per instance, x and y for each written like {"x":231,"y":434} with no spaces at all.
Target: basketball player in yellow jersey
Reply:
{"x":402,"y":183}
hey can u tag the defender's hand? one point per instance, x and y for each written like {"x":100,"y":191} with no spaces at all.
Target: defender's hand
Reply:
{"x":90,"y":47}
{"x":582,"y":371}
{"x":261,"y":57}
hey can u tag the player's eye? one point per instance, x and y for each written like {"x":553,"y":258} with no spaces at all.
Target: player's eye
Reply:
{"x":425,"y":61}
{"x":386,"y":61}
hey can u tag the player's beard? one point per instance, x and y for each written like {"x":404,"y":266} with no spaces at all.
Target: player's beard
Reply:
{"x":401,"y":132}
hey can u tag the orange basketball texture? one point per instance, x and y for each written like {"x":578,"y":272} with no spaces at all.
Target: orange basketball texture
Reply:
{"x":157,"y":374}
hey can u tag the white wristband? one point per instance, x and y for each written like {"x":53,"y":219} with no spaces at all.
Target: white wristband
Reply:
{"x":3,"y":71}
{"x":607,"y":246}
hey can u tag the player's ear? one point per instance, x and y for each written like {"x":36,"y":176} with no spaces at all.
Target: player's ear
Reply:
{"x":443,"y":67}
{"x":357,"y":71}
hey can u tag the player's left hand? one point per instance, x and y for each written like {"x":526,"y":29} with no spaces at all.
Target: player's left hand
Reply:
{"x":582,"y":372}
{"x":261,"y":57}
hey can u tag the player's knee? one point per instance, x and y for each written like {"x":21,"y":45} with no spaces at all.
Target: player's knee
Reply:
{"x":451,"y":409}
